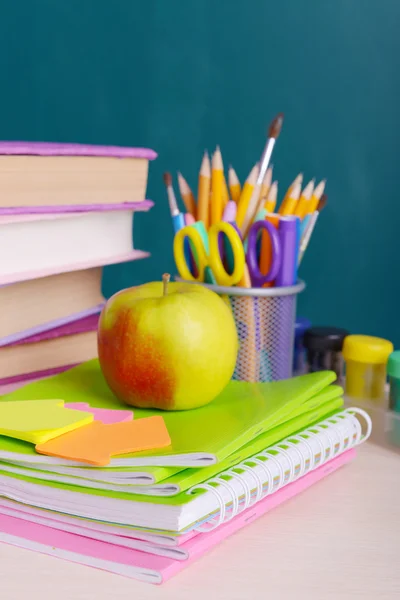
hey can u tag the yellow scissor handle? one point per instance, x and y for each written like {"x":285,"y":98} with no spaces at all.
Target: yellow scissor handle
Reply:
{"x":215,"y":261}
{"x":179,"y":253}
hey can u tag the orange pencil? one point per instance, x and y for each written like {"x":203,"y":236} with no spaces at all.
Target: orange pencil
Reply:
{"x":217,"y":178}
{"x":187,"y":195}
{"x":234,"y":184}
{"x":203,"y":193}
{"x":270,"y":203}
{"x":316,"y":197}
{"x":289,"y":203}
{"x":302,"y":207}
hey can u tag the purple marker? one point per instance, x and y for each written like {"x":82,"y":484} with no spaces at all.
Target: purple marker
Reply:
{"x":289,"y":233}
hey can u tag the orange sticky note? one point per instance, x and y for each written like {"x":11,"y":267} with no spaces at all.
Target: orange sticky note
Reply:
{"x":96,"y":443}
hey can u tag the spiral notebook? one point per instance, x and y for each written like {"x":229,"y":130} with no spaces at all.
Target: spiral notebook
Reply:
{"x":212,"y":502}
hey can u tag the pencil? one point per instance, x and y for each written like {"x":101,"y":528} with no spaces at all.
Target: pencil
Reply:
{"x":187,"y":195}
{"x":217,"y":177}
{"x":297,"y":180}
{"x":262,"y":199}
{"x":302,"y":207}
{"x":246,"y":195}
{"x":305,"y":240}
{"x":270,"y":203}
{"x":266,"y":184}
{"x":203,"y":193}
{"x":289,"y":204}
{"x":234,"y":184}
{"x":317,"y":195}
{"x":225,"y":192}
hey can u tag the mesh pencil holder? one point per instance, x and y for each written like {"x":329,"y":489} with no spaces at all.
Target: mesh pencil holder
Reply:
{"x":265,"y":322}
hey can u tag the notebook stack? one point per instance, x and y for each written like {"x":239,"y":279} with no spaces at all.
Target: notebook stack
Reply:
{"x":66,"y":210}
{"x":148,"y":514}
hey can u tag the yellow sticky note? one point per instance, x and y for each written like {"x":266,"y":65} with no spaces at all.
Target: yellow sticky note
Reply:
{"x":38,"y":421}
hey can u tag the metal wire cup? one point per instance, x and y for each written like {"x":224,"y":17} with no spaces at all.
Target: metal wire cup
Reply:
{"x":265,"y":322}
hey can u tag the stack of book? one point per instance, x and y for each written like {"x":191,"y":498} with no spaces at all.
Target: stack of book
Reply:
{"x":66,"y":210}
{"x":148,"y":514}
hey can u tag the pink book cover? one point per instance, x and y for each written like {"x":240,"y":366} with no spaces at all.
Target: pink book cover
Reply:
{"x":34,"y":213}
{"x":140,"y":565}
{"x":79,"y":266}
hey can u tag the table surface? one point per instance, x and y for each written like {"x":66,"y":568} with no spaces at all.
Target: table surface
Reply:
{"x":339,"y":539}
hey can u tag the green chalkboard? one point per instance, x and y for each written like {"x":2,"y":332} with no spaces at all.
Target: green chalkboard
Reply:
{"x":181,"y":76}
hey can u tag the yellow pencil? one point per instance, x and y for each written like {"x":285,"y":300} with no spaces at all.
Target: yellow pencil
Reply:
{"x":187,"y":195}
{"x":272,"y":197}
{"x":287,"y":207}
{"x":245,"y":196}
{"x":316,"y":197}
{"x":297,"y":180}
{"x":203,"y":193}
{"x":302,"y":207}
{"x":234,"y":184}
{"x":217,"y":177}
{"x":266,"y":184}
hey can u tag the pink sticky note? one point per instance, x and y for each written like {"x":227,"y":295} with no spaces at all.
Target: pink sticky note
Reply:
{"x":107,"y":416}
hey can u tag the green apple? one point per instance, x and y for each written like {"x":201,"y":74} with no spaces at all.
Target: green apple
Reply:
{"x":171,"y":346}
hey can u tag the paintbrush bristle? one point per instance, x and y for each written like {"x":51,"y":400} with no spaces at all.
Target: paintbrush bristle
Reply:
{"x":167,"y":179}
{"x":322,"y":203}
{"x":276,"y":126}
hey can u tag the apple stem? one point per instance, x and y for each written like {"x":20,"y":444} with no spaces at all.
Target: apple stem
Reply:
{"x":166,"y":277}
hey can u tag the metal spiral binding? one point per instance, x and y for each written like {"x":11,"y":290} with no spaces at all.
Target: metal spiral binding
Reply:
{"x":347,"y":438}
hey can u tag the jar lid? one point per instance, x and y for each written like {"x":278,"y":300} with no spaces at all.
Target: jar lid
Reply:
{"x":324,"y":338}
{"x":367,"y":349}
{"x":393,"y":366}
{"x":301,"y":325}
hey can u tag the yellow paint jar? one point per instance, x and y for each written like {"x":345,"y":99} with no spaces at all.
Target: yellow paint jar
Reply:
{"x":366,"y":359}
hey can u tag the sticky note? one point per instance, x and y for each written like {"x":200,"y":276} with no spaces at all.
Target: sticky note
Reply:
{"x":104,"y":415}
{"x":37,"y":421}
{"x":96,"y":443}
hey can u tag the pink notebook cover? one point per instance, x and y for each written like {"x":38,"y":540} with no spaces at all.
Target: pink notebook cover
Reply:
{"x":140,"y":565}
{"x":21,"y":336}
{"x":121,"y":258}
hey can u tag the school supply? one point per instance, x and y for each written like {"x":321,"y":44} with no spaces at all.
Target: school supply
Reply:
{"x":271,"y":199}
{"x":199,"y":437}
{"x":234,"y":184}
{"x":366,"y":358}
{"x":36,"y":305}
{"x":306,"y":232}
{"x":69,"y":237}
{"x":146,"y":561}
{"x":273,"y":133}
{"x":289,"y":237}
{"x":217,"y":176}
{"x":203,"y":193}
{"x":303,"y":205}
{"x":324,"y":347}
{"x":316,"y":197}
{"x":245,"y":196}
{"x":104,"y":415}
{"x":214,"y":501}
{"x":46,"y":174}
{"x":67,"y":344}
{"x":178,"y":218}
{"x":290,"y":201}
{"x":393,"y":372}
{"x":187,"y":195}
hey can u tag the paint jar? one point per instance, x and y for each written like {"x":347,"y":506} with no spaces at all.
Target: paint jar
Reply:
{"x":301,"y":325}
{"x":393,"y":371}
{"x":324,"y":349}
{"x":366,"y":359}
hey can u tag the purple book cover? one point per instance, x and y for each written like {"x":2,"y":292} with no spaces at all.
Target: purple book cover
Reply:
{"x":142,"y":206}
{"x":79,"y":326}
{"x":28,"y":377}
{"x":16,"y":148}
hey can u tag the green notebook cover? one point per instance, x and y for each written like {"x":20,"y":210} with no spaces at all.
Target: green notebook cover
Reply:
{"x":200,"y":437}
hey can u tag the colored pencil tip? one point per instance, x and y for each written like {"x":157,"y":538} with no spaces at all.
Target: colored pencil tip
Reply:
{"x":323,"y":202}
{"x":276,"y":126}
{"x":167,"y":179}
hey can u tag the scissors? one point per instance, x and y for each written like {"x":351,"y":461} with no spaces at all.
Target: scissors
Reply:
{"x":208,"y":255}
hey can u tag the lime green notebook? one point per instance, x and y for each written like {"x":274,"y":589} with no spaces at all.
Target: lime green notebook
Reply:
{"x":200,"y":437}
{"x":320,"y":406}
